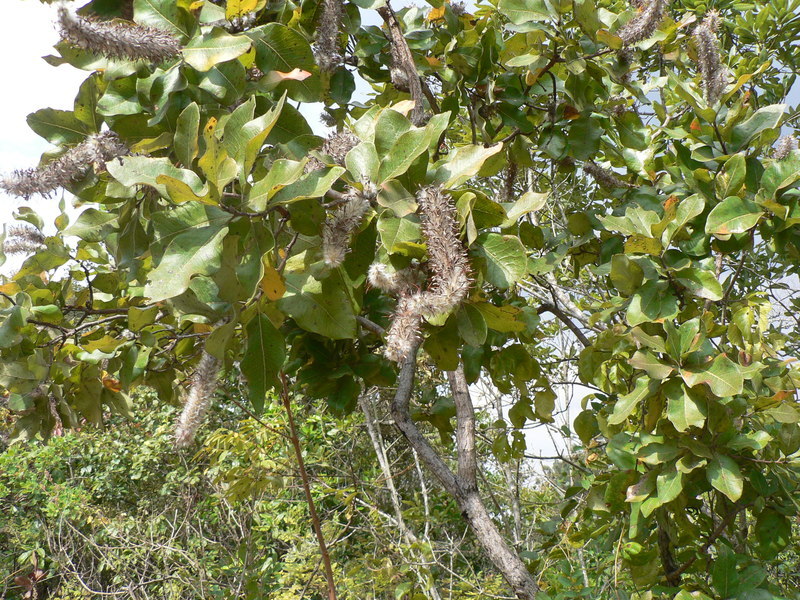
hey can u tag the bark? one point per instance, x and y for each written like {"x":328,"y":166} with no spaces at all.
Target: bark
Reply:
{"x":462,"y":486}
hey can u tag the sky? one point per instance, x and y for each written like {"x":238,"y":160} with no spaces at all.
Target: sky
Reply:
{"x":26,"y":34}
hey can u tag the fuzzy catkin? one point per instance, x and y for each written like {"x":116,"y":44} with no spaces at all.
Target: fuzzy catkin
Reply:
{"x":23,"y":239}
{"x":392,"y":282}
{"x":644,"y":24}
{"x":201,"y":392}
{"x":339,"y":228}
{"x":117,"y":39}
{"x":604,"y":177}
{"x":450,"y":279}
{"x":785,"y":146}
{"x":94,"y":151}
{"x":327,"y":48}
{"x":337,"y":145}
{"x":708,"y":58}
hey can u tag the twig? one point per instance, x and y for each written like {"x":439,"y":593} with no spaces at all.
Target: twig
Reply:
{"x":326,"y":559}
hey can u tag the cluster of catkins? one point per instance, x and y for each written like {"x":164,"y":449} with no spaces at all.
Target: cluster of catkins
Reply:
{"x":449,"y":281}
{"x":327,"y":47}
{"x":201,"y":392}
{"x":712,"y":71}
{"x":95,"y":150}
{"x":118,"y":39}
{"x":23,"y":239}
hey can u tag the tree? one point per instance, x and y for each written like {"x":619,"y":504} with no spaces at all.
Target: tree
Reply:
{"x":607,"y":166}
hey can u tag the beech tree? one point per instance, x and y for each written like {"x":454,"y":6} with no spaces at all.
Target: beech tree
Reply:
{"x":529,"y":188}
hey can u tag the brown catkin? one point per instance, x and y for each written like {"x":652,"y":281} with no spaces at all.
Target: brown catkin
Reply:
{"x":337,"y":145}
{"x":785,"y":146}
{"x":117,"y":39}
{"x":709,"y":63}
{"x":201,"y":392}
{"x":604,"y":177}
{"x":396,"y":283}
{"x":23,"y":239}
{"x":327,"y":46}
{"x":450,"y":274}
{"x":95,"y":151}
{"x":644,"y":24}
{"x":339,"y":228}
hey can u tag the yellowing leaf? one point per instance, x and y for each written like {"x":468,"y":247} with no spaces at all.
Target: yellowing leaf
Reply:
{"x":112,"y":384}
{"x":201,"y":327}
{"x":272,"y":284}
{"x":436,"y":14}
{"x":237,"y":8}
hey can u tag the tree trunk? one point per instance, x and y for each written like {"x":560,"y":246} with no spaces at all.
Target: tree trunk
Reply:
{"x":462,"y":486}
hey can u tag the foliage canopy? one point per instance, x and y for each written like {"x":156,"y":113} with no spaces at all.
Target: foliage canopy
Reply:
{"x":606,"y":166}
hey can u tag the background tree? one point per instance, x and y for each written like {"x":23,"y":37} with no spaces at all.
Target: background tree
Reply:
{"x":607,"y":166}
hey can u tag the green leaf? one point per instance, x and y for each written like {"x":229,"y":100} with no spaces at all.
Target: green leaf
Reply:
{"x":282,"y":172}
{"x":723,"y":573}
{"x":731,"y":178}
{"x":653,"y":366}
{"x":632,"y":133}
{"x":683,"y":339}
{"x":396,"y":233}
{"x":161,"y":14}
{"x":15,"y":320}
{"x":93,"y":225}
{"x":626,"y":275}
{"x":186,"y":134}
{"x":585,"y":13}
{"x":723,"y":376}
{"x":195,"y":252}
{"x":262,"y":359}
{"x":313,"y":185}
{"x":244,"y":141}
{"x":409,"y":146}
{"x":279,"y":48}
{"x":363,"y":162}
{"x":527,"y":203}
{"x":765,"y":118}
{"x":58,"y":126}
{"x":585,"y":425}
{"x":502,"y":258}
{"x":733,"y":215}
{"x":684,"y":408}
{"x":524,"y":11}
{"x":626,"y":404}
{"x":143,"y":170}
{"x":214,"y":47}
{"x":773,"y":532}
{"x":322,"y":307}
{"x":462,"y":164}
{"x":723,"y":473}
{"x":471,"y":325}
{"x":700,"y":282}
{"x":781,"y":174}
{"x":654,"y":301}
{"x":583,"y":139}
{"x":669,"y":484}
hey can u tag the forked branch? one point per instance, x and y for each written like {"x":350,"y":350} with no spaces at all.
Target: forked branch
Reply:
{"x":462,"y":486}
